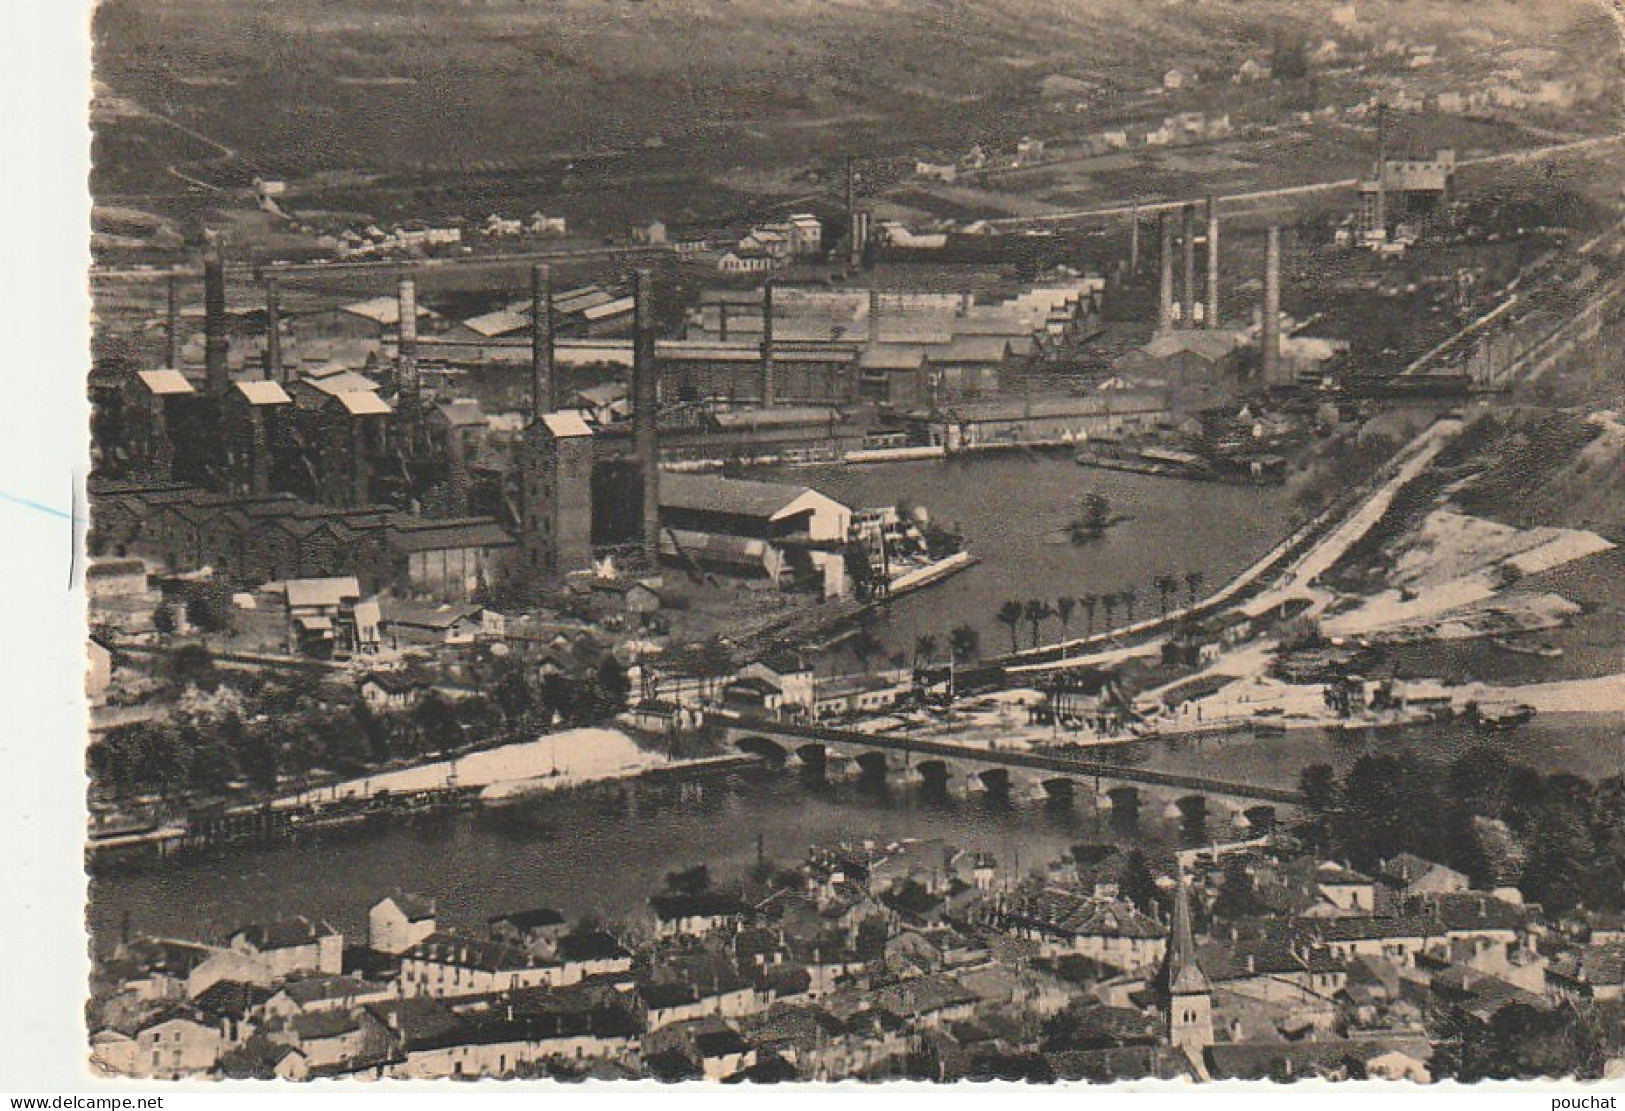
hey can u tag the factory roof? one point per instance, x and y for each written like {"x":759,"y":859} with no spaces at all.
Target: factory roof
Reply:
{"x":734,"y":497}
{"x":566,"y":424}
{"x":1114,"y":401}
{"x":503,"y":322}
{"x":463,"y":412}
{"x":165,"y":382}
{"x":364,"y":403}
{"x":263,"y":393}
{"x":343,"y":381}
{"x":620,"y":306}
{"x":892,"y":356}
{"x":416,"y":534}
{"x":384,"y":311}
{"x":1210,"y":345}
{"x":583,"y":352}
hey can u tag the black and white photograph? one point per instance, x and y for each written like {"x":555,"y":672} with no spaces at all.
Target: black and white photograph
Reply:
{"x":1072,"y":542}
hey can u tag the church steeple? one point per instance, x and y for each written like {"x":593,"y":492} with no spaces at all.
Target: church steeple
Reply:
{"x":1189,"y":1003}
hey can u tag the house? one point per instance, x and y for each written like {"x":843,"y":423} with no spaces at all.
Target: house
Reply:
{"x":391,"y":691}
{"x":322,"y":617}
{"x":625,"y":596}
{"x":315,"y":994}
{"x":1107,"y":930}
{"x":789,"y":674}
{"x":447,"y":965}
{"x":173,"y":1044}
{"x":399,"y":922}
{"x":115,"y":578}
{"x":290,"y":945}
{"x":1176,"y":79}
{"x":406,"y":622}
{"x":98,"y":671}
{"x":536,"y":930}
{"x":1410,"y":876}
{"x":589,"y":953}
{"x":696,"y":915}
{"x":1346,"y":890}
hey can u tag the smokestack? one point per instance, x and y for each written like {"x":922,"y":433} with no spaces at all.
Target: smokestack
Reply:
{"x":1187,"y":231}
{"x":1165,"y":286}
{"x":1134,"y":241}
{"x":544,"y":391}
{"x":855,"y":256}
{"x":262,"y":450}
{"x":1270,"y":326}
{"x":406,"y":339}
{"x":1380,"y":223}
{"x":874,"y":316}
{"x":273,"y":330}
{"x":645,"y":399}
{"x":764,"y":390}
{"x":722,"y":320}
{"x":216,"y":375}
{"x":1212,"y":262}
{"x":172,"y":328}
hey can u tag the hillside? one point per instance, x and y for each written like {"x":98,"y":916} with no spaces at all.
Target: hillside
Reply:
{"x":300,"y":86}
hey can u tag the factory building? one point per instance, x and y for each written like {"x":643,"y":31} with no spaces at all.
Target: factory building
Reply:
{"x":789,"y":535}
{"x":1403,"y":191}
{"x":981,"y":424}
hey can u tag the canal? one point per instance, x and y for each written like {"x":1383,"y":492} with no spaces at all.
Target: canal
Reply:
{"x":1013,"y":511}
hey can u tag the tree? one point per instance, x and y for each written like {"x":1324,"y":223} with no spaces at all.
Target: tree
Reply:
{"x":1035,"y":613}
{"x":1193,"y":585}
{"x":1130,"y":598}
{"x":209,"y":608}
{"x":436,"y":723}
{"x":1136,"y":884}
{"x":1108,"y":603}
{"x":925,"y":648}
{"x":191,"y":665}
{"x":163,"y":617}
{"x":965,"y":642}
{"x":1238,"y":893}
{"x":612,"y":686}
{"x":1010,"y":615}
{"x":1065,"y":606}
{"x":1165,"y":587}
{"x":1089,"y":602}
{"x":515,"y":695}
{"x":689,"y":881}
{"x":864,"y":646}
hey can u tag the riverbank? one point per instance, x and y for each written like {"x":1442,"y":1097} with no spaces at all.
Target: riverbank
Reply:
{"x":572,"y":758}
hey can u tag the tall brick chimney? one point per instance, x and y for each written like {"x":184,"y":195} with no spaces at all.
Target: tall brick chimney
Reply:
{"x":406,"y":341}
{"x":1165,"y":283}
{"x":545,"y":394}
{"x":1187,"y":232}
{"x":1269,"y":335}
{"x":765,"y":386}
{"x":216,"y":374}
{"x":645,"y":411}
{"x":273,"y":329}
{"x":1134,"y":241}
{"x":1212,"y":262}
{"x":172,"y":320}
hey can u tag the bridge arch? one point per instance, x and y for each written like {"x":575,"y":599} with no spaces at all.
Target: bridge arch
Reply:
{"x":764,"y":747}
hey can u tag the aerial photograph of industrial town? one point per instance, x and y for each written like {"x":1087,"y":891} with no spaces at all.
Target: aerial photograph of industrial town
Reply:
{"x":744,"y":541}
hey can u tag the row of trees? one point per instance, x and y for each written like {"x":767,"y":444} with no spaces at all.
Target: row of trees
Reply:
{"x":1560,"y":838}
{"x":281,"y":730}
{"x":1036,"y":612}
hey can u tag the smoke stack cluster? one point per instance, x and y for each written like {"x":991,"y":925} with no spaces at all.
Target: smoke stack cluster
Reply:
{"x":1270,"y":325}
{"x":764,"y":390}
{"x":544,"y":387}
{"x":216,"y":374}
{"x":273,"y":330}
{"x":645,"y":415}
{"x":1212,"y":263}
{"x":1165,"y":284}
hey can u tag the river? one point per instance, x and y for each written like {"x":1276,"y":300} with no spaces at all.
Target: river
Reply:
{"x":604,"y":856}
{"x":1013,"y":509}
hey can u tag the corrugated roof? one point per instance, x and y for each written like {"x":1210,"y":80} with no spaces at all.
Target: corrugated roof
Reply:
{"x":503,"y":322}
{"x":343,"y":381}
{"x":618,"y":307}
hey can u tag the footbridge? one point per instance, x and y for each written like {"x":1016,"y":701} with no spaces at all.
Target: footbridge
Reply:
{"x":956,"y":767}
